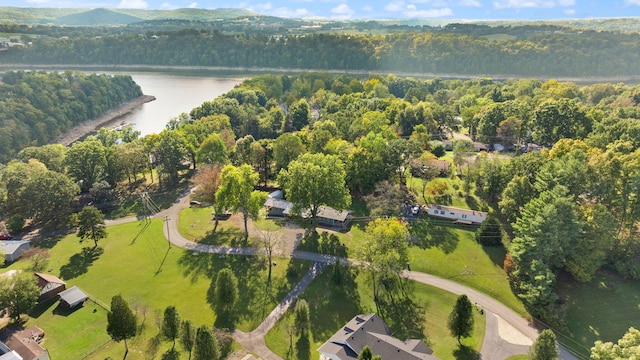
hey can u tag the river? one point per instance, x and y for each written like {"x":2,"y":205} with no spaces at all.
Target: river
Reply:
{"x":175,"y":93}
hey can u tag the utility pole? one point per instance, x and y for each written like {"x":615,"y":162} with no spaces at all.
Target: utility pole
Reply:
{"x":166,"y":221}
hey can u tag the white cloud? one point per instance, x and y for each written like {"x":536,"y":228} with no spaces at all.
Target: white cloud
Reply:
{"x":431,"y":13}
{"x":193,"y":5}
{"x":505,"y":4}
{"x":471,"y":3}
{"x":342,"y":10}
{"x":570,"y":12}
{"x":37,"y":1}
{"x":395,"y":6}
{"x":133,"y":4}
{"x":367,"y":8}
{"x":632,"y":2}
{"x":259,"y":7}
{"x":431,"y":2}
{"x":167,"y":6}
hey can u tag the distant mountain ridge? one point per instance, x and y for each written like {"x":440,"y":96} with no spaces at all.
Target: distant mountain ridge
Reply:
{"x":113,"y":17}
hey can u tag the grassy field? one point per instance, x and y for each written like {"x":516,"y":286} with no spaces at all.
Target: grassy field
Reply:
{"x":196,"y":224}
{"x":442,"y":250}
{"x":135,"y":261}
{"x":602,"y":309}
{"x":333,"y":305}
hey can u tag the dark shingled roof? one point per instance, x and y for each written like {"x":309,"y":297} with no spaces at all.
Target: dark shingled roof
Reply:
{"x":372,"y":331}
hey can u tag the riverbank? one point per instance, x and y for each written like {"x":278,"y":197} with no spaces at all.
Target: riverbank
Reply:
{"x":79,"y":131}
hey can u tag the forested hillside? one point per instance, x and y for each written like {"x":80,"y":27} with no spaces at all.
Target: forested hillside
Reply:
{"x":546,"y":52}
{"x":36,"y":107}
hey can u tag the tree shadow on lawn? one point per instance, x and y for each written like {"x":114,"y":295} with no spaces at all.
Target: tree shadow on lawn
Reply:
{"x":464,"y":352}
{"x":253,"y":297}
{"x":428,"y":234}
{"x":323,"y":243}
{"x":230,"y":236}
{"x":48,"y":242}
{"x":405,"y":317}
{"x":496,"y":254}
{"x":333,"y":300}
{"x":63,"y":310}
{"x":79,"y":263}
{"x":303,"y":347}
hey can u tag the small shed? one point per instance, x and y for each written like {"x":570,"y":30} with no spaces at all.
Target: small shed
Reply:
{"x":277,"y":207}
{"x":73,"y":297}
{"x":12,"y":249}
{"x":50,"y":286}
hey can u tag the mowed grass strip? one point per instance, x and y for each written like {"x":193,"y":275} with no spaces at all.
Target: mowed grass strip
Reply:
{"x":136,"y":262}
{"x":333,"y":305}
{"x":603,"y":309}
{"x":197,"y":223}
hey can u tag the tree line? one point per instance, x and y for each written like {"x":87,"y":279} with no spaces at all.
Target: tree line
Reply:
{"x":36,"y":107}
{"x":532,"y":51}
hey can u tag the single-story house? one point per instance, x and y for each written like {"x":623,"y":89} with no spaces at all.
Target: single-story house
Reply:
{"x":50,"y":286}
{"x":458,"y":215}
{"x":370,"y":330}
{"x":478,"y":146}
{"x":12,"y":249}
{"x":26,"y":343}
{"x":73,"y":297}
{"x":276,"y":206}
{"x":332,"y":217}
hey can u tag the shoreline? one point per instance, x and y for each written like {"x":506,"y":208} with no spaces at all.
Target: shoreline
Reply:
{"x":87,"y":127}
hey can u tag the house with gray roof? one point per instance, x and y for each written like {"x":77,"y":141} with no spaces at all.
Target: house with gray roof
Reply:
{"x":370,"y":330}
{"x":277,"y":206}
{"x":12,"y":249}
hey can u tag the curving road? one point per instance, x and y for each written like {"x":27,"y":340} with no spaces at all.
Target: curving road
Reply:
{"x":507,"y":333}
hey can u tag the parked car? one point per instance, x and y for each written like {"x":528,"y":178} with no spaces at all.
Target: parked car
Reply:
{"x":195,"y":203}
{"x":5,"y":237}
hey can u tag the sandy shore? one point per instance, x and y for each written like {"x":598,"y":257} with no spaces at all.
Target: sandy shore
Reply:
{"x":81,"y":130}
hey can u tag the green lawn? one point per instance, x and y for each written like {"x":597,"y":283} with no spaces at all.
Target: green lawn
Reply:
{"x":196,"y":224}
{"x":333,"y":305}
{"x":453,"y":253}
{"x":135,"y":261}
{"x":442,"y":250}
{"x":602,"y":309}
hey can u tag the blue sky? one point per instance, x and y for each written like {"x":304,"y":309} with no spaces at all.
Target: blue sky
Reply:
{"x":379,"y":9}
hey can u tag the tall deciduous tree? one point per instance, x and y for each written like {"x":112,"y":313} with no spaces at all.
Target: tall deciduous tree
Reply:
{"x":226,"y":291}
{"x":87,"y":162}
{"x":545,"y":347}
{"x":461,"y":318}
{"x":171,"y":325}
{"x":18,"y":294}
{"x":213,"y":151}
{"x":286,"y":148}
{"x":315,"y":180}
{"x":236,"y":193}
{"x":205,"y":346}
{"x":628,"y":347}
{"x":385,"y":255}
{"x":91,"y":225}
{"x":170,"y":152}
{"x":121,"y":321}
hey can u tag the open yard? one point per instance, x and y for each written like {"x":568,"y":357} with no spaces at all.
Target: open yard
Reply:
{"x":136,"y":262}
{"x":602,"y":309}
{"x":439,"y":249}
{"x":332,"y":305}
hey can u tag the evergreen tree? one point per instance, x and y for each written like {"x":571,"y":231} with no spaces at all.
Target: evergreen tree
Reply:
{"x":121,"y":322}
{"x":461,"y":318}
{"x":205,"y":346}
{"x":171,"y":325}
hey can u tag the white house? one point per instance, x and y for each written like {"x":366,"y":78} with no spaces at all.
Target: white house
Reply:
{"x":458,"y":215}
